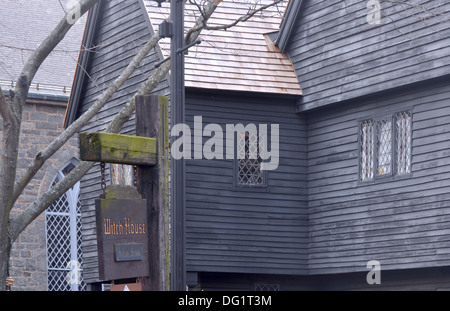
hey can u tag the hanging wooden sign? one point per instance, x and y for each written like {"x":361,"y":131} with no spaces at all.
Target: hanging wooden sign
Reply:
{"x":122,"y":234}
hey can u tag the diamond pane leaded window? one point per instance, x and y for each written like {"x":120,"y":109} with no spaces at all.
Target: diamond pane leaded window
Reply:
{"x":367,"y":150}
{"x":249,"y":165}
{"x":63,"y":238}
{"x":384,"y":147}
{"x":403,"y":142}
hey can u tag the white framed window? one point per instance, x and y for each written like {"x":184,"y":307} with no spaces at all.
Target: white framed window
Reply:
{"x":385,"y":146}
{"x":63,"y":238}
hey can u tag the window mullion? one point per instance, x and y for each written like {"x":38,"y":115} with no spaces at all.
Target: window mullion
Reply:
{"x":375,"y":149}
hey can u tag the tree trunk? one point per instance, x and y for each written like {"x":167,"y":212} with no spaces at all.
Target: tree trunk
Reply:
{"x":5,"y":251}
{"x":8,"y":163}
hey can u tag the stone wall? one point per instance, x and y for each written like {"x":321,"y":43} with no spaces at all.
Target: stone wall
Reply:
{"x":42,"y":122}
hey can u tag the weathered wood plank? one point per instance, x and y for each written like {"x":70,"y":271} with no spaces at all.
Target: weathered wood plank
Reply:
{"x":117,"y":148}
{"x":152,"y":120}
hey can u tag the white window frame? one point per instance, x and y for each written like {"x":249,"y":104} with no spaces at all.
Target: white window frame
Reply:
{"x":73,"y":264}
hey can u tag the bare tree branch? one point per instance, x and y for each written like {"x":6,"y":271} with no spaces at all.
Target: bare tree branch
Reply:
{"x":192,"y":35}
{"x":18,"y":222}
{"x":12,"y":124}
{"x":42,"y":52}
{"x":201,"y":23}
{"x":54,"y":146}
{"x":251,"y":12}
{"x":12,"y":130}
{"x":21,"y":221}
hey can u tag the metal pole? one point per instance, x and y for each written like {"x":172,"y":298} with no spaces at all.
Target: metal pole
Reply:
{"x":178,"y":278}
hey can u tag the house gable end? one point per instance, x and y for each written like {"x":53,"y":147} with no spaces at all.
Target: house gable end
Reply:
{"x":115,"y":32}
{"x":83,"y":60}
{"x":340,"y":53}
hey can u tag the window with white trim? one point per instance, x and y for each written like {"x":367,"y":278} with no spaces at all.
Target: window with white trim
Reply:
{"x":385,"y":146}
{"x":63,"y":239}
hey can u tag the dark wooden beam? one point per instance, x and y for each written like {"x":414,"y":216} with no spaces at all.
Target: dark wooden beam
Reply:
{"x":152,"y":120}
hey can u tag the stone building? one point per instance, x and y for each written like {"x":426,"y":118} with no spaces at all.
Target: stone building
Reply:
{"x":41,"y":258}
{"x":42,"y":122}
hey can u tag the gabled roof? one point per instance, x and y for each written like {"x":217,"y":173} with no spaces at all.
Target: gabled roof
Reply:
{"x":242,"y":58}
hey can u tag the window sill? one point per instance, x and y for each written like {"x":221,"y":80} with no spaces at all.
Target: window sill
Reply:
{"x":251,"y":188}
{"x":379,"y":180}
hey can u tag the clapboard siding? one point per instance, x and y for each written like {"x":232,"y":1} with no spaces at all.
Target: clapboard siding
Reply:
{"x":262,"y":230}
{"x":402,"y":222}
{"x":314,"y":218}
{"x":339,"y":56}
{"x":122,"y":29}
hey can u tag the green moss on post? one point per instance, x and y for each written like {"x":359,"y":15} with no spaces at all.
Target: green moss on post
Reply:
{"x":164,"y":163}
{"x":117,"y":148}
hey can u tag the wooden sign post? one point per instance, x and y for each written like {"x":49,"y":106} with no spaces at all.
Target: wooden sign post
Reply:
{"x":152,"y":120}
{"x":132,"y":226}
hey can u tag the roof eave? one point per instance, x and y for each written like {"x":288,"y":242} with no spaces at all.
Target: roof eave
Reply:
{"x":83,"y":59}
{"x":287,"y":25}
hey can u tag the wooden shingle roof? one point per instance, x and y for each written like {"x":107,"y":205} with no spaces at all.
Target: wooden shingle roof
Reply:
{"x":241,"y":58}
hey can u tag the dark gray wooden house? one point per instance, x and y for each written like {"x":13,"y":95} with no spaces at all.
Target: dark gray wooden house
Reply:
{"x":361,"y":94}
